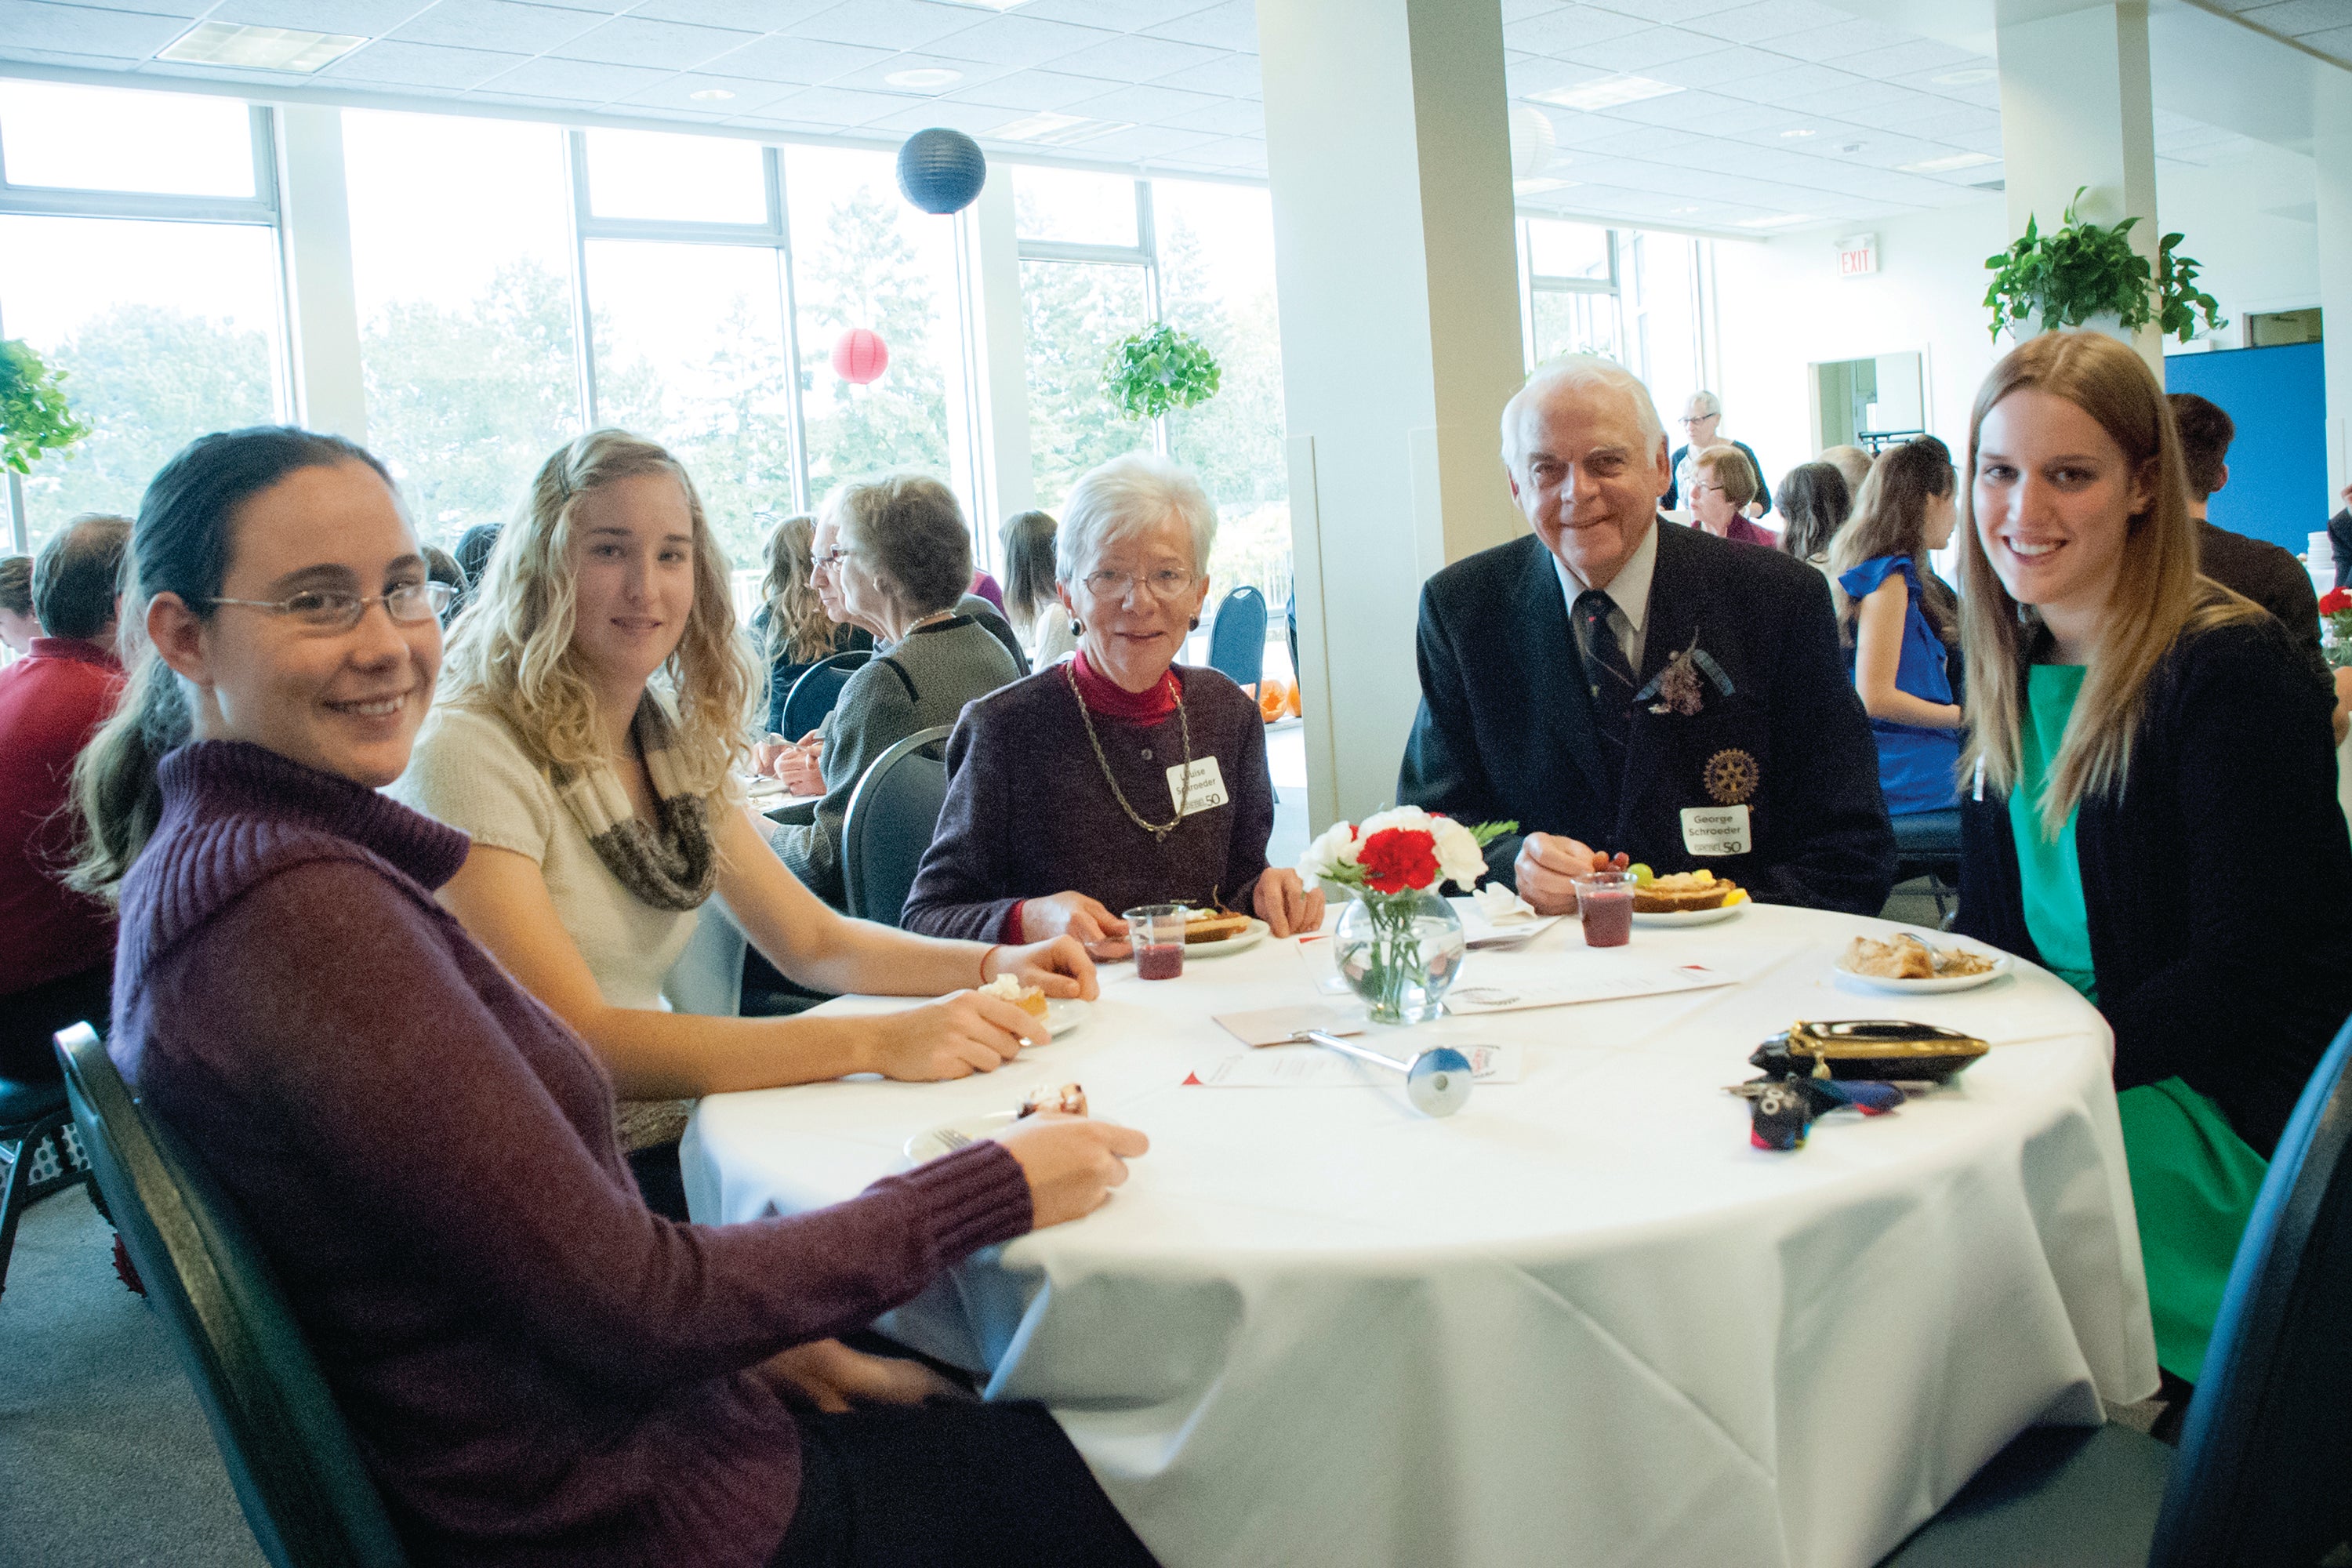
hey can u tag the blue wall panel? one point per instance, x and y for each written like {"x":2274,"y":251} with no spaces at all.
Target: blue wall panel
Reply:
{"x":2278,"y":464}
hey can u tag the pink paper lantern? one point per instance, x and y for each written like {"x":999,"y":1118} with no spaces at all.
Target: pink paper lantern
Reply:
{"x":860,"y":356}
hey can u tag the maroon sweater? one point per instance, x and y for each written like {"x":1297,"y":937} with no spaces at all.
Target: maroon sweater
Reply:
{"x":51,"y":702}
{"x":1029,"y":814}
{"x":538,"y":1370}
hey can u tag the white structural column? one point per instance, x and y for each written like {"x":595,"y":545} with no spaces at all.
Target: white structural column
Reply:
{"x":2331,"y":161}
{"x":321,"y":305}
{"x":2077,"y":110}
{"x":988,"y":257}
{"x":1388,"y":158}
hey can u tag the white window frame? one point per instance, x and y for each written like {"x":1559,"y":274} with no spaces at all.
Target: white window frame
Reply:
{"x":1144,"y":253}
{"x":1532,"y":283}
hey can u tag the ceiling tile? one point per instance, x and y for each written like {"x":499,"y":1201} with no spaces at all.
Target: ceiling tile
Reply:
{"x":1843,"y":101}
{"x":1146,"y":143}
{"x":836,"y":106}
{"x":1119,"y":16}
{"x":579,"y":82}
{"x":10,"y":50}
{"x":27,"y":25}
{"x":677,"y":92}
{"x":1668,"y":11}
{"x":1783,"y":86}
{"x":1521,"y":10}
{"x":1153,"y":105}
{"x":1912,"y":55}
{"x":1033,"y":91}
{"x":1768,"y":19}
{"x":1225,"y":116}
{"x":874,"y":77}
{"x":796,"y":60}
{"x":1231,"y":25}
{"x":1136,"y":58}
{"x":1837,"y":41}
{"x":886,"y":24}
{"x":421,"y":65}
{"x":2336,"y":43}
{"x":971,"y":119}
{"x":1019,"y":41}
{"x":1570,"y":28}
{"x":1738,"y":64}
{"x":365,"y":18}
{"x":1640,"y":52}
{"x":673,"y":46}
{"x":1232,"y":152}
{"x":750,"y":15}
{"x":2297,"y":18}
{"x":497,"y":25}
{"x":1230,"y":76}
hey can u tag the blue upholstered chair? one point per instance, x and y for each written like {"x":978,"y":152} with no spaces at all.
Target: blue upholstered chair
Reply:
{"x":1237,"y":636}
{"x":893,"y":814}
{"x":818,"y":688}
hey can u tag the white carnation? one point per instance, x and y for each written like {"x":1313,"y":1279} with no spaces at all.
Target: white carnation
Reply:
{"x":1337,"y":847}
{"x":1410,"y":818}
{"x":1459,"y":858}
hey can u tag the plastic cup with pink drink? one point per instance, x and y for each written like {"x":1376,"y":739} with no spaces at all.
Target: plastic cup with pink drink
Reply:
{"x":1604,"y":902}
{"x":1157,"y":931}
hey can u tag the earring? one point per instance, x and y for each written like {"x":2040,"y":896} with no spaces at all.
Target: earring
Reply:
{"x":1077,"y":626}
{"x":1196,"y":623}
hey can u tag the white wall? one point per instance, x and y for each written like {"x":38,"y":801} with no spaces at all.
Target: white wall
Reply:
{"x":2253,"y":258}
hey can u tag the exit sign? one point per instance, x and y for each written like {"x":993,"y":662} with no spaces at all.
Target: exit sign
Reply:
{"x":1857,"y":256}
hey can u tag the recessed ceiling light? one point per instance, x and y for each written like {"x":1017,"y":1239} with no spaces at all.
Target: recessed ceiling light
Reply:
{"x":1057,"y":130}
{"x":1946,"y":165}
{"x":1535,"y":187}
{"x":1799,"y":131}
{"x":1778,"y":220}
{"x":924,"y":78}
{"x":710,"y":95}
{"x":258,"y":49}
{"x":1606,"y":93}
{"x":1969,"y":78}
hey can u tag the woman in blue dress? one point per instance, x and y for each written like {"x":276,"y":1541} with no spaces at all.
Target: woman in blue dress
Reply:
{"x":1900,"y":618}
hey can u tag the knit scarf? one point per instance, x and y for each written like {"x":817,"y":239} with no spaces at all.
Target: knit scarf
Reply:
{"x":670,"y":867}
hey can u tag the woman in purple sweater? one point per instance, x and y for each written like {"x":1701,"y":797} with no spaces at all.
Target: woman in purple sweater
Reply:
{"x":538,"y":1370}
{"x":1111,"y":780}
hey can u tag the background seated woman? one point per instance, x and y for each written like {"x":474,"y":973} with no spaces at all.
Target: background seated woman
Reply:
{"x":1112,"y":781}
{"x":602,"y":813}
{"x":792,"y":625}
{"x":2154,"y":757}
{"x":902,"y":564}
{"x":1899,"y":620}
{"x":1722,"y":484}
{"x":536,"y":1369}
{"x":1030,"y":600}
{"x":1814,"y":504}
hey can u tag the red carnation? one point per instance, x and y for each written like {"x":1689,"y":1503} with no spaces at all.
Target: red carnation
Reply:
{"x":1396,"y":859}
{"x":2336,"y":602}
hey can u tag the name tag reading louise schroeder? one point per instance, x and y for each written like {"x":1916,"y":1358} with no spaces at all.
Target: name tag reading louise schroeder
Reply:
{"x":1207,"y":792}
{"x":1715,"y":829}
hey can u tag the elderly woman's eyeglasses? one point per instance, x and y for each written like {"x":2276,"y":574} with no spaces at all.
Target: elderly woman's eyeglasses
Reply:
{"x":334,"y":610}
{"x":831,"y":558}
{"x":1164,"y":583}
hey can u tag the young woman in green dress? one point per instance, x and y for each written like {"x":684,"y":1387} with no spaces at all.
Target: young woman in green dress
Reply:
{"x":2148,"y":799}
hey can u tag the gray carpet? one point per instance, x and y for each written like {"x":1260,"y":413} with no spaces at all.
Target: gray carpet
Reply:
{"x":105,"y":1460}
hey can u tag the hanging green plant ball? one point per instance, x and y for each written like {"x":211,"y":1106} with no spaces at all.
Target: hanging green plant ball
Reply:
{"x":1154,"y":372}
{"x":34,"y":415}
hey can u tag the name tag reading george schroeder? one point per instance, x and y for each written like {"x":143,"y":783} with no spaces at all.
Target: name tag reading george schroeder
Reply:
{"x":1715,"y":830}
{"x":1208,"y":787}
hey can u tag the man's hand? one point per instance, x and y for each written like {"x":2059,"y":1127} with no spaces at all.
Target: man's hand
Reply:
{"x":1058,"y":966}
{"x":1549,"y":865}
{"x":834,"y":1377}
{"x":1099,"y":932}
{"x":1286,"y":903}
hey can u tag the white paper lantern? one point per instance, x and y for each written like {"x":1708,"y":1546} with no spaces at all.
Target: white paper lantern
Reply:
{"x":1532,"y":141}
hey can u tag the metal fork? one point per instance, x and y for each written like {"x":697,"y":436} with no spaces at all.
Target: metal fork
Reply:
{"x":1513,"y":939}
{"x":951,"y":1138}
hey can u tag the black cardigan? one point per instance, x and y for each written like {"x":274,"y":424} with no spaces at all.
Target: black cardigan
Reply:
{"x":2215,"y":887}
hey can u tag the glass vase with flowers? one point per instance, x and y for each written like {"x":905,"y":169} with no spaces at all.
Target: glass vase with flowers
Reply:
{"x":1399,"y":945}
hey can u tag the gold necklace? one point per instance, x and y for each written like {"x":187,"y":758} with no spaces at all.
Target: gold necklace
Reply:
{"x":1158,"y":831}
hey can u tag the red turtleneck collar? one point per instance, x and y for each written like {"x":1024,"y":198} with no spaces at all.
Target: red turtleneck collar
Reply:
{"x":1106,"y":697}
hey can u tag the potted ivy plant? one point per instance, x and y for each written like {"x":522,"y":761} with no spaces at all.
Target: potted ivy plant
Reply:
{"x":35,"y":417}
{"x":1154,"y":372}
{"x":2087,"y":274}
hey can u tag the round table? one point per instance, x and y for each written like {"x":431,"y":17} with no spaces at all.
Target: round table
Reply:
{"x":1583,"y":1319}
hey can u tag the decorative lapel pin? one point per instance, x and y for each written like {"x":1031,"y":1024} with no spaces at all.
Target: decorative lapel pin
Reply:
{"x":1677,"y":688}
{"x":1730,"y":776}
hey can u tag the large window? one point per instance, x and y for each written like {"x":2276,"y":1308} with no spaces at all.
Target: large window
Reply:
{"x":1569,"y":274}
{"x":138,"y":254}
{"x":462,"y":270}
{"x":1085,"y":282}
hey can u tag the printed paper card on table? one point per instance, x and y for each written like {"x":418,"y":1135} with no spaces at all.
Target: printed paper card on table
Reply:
{"x":1612,"y":986}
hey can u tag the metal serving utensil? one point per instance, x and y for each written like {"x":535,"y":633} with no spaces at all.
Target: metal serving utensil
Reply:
{"x":1436,"y":1080}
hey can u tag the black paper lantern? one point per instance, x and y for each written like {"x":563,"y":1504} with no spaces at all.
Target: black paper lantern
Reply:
{"x":941,"y":171}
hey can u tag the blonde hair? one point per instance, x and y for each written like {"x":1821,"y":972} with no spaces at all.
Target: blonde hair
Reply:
{"x":797,"y":624}
{"x":511,"y":651}
{"x":2158,"y":594}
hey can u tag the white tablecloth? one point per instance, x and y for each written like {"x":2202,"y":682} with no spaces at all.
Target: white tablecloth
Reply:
{"x":1583,"y":1320}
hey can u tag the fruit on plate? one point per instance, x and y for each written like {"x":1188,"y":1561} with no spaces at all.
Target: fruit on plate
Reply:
{"x":1685,"y":891}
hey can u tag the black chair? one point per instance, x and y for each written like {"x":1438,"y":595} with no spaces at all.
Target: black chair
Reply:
{"x":2263,"y":1475}
{"x":818,"y":688}
{"x":309,"y":1498}
{"x":1237,"y":636}
{"x":34,"y":1112}
{"x":893,"y":813}
{"x":1927,"y":844}
{"x":1290,"y":625}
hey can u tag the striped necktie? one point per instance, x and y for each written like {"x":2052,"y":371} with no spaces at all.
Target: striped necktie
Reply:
{"x":1607,"y":676}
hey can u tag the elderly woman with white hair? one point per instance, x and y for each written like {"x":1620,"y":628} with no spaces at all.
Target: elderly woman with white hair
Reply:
{"x":1118,"y":777}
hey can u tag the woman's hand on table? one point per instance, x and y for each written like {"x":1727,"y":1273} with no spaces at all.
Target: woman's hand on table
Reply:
{"x":1549,"y":865}
{"x":834,"y":1378}
{"x":1099,"y":932}
{"x":1072,"y":1162}
{"x":1058,"y":966}
{"x":1286,"y":903}
{"x":953,"y":1037}
{"x":801,"y":767}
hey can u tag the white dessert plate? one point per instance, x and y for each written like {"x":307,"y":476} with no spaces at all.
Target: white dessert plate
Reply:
{"x":1063,"y":1014}
{"x":1249,"y":938}
{"x":2001,"y":965}
{"x":949,"y":1136}
{"x":1690,"y":916}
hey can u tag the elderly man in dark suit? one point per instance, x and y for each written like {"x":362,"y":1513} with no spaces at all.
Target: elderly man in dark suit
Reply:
{"x":1617,"y":684}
